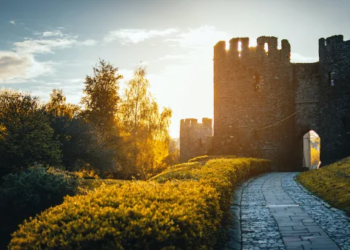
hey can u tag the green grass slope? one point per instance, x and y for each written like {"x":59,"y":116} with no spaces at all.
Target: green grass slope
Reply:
{"x":331,"y":183}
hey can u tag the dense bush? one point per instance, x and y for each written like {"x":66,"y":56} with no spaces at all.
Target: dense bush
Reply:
{"x":25,"y":134}
{"x":181,"y":208}
{"x":222,"y":174}
{"x":29,"y":192}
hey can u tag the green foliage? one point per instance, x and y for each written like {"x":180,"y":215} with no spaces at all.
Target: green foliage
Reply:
{"x":25,"y":135}
{"x":80,"y":141}
{"x":331,"y":183}
{"x":87,"y":185}
{"x":29,"y":192}
{"x":58,"y":107}
{"x":101,"y":102}
{"x":181,"y":212}
{"x":101,"y":96}
{"x":80,"y":145}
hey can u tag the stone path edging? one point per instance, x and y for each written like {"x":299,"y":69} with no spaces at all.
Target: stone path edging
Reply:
{"x":235,"y":241}
{"x":325,"y":204}
{"x":278,"y":213}
{"x":334,"y":222}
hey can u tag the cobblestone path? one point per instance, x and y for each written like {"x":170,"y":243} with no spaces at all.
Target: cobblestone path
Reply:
{"x":278,"y":213}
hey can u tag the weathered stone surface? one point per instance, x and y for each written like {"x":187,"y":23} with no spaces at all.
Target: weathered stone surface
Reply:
{"x":195,"y":138}
{"x":264,"y":104}
{"x":278,"y":213}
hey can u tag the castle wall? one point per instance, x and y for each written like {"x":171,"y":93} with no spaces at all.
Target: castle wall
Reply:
{"x":253,"y":90}
{"x":263,"y":104}
{"x":195,"y":138}
{"x":334,"y":98}
{"x":307,"y":96}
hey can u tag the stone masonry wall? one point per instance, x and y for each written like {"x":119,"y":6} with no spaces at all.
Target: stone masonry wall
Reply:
{"x":334,"y":126}
{"x":307,"y":97}
{"x":263,"y":104}
{"x":252,"y":90}
{"x":195,"y":138}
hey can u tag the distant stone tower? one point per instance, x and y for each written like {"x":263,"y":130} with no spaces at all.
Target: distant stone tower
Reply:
{"x":263,"y":104}
{"x":195,"y":138}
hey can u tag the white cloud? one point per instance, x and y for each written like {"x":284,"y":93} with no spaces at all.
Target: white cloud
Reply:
{"x":12,"y":22}
{"x":295,"y":57}
{"x":42,"y":46}
{"x":20,"y":64}
{"x":136,"y":35}
{"x":16,"y":67}
{"x":52,"y":33}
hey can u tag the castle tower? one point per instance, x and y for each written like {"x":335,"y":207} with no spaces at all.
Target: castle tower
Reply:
{"x":253,"y":90}
{"x":334,"y":102}
{"x":195,"y":138}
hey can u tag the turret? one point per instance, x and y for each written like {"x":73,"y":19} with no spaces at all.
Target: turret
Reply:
{"x":220,"y":50}
{"x":330,"y":46}
{"x":195,"y":138}
{"x":207,"y":122}
{"x":285,"y":52}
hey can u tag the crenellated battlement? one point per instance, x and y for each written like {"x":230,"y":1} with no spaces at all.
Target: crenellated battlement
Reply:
{"x":239,"y":48}
{"x":332,"y":46}
{"x":192,"y":122}
{"x":332,"y":42}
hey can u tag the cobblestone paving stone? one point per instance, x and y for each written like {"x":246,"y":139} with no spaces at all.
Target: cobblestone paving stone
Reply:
{"x":278,"y":213}
{"x":259,"y":229}
{"x":333,"y":221}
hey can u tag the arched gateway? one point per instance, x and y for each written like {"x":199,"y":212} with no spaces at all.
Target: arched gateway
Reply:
{"x":264,"y":104}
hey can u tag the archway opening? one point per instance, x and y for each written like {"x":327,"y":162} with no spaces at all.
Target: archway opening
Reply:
{"x":311,"y":150}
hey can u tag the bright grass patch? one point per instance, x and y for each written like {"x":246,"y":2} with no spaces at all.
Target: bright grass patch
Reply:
{"x":331,"y":183}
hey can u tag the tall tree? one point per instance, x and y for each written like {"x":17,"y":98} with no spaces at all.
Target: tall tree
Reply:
{"x":101,"y":96}
{"x":25,"y":135}
{"x":101,"y":101}
{"x":145,"y":127}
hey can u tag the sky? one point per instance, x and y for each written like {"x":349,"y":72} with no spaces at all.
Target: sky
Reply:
{"x":56,"y":43}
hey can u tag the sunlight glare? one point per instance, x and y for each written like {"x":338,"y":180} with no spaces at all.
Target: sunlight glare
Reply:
{"x":266,"y":47}
{"x":227,"y":44}
{"x":239,"y":46}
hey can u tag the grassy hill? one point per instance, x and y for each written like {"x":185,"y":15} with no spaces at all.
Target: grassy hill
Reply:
{"x":331,"y":183}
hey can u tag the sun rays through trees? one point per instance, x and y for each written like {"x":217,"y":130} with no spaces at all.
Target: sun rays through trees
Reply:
{"x":116,"y":135}
{"x":144,"y":126}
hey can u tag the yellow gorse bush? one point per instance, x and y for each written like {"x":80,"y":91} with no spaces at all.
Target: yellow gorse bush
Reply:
{"x":182,"y":208}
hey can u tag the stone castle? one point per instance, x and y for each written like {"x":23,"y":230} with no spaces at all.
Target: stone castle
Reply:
{"x":264,"y":104}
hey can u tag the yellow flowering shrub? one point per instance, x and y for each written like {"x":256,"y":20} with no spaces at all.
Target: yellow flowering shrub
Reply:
{"x":222,"y":174}
{"x":182,"y":208}
{"x":205,"y":158}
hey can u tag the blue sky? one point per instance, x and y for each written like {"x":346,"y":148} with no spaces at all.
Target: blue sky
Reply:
{"x":54,"y":44}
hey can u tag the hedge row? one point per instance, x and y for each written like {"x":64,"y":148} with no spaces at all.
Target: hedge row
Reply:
{"x":181,"y":208}
{"x":205,"y":158}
